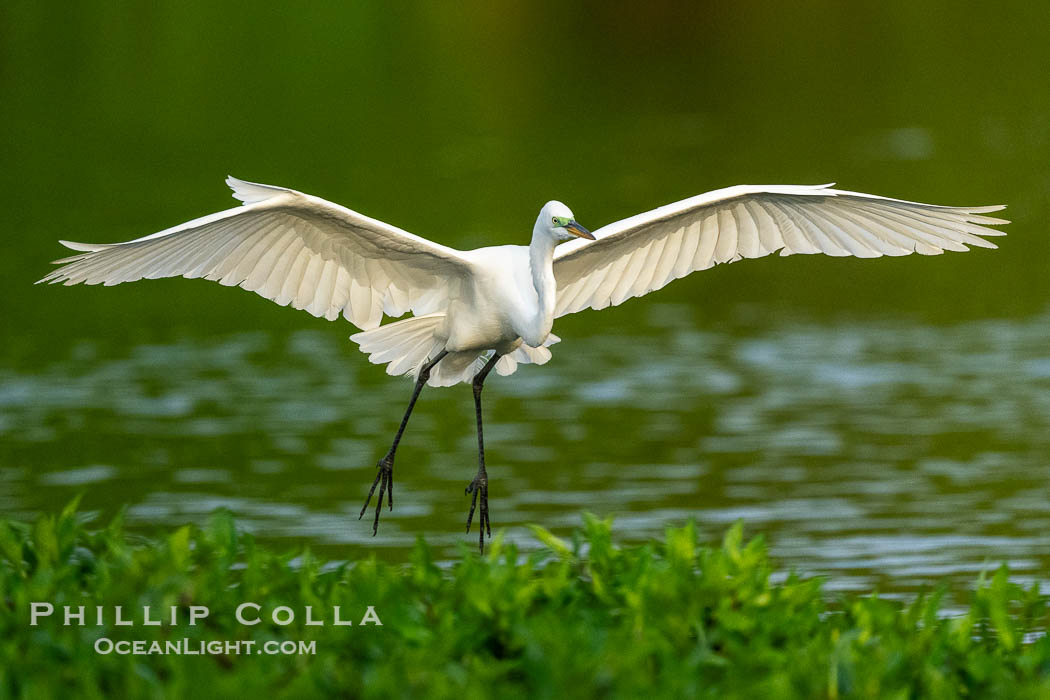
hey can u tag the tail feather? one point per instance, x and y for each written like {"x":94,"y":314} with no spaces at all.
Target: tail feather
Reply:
{"x":458,"y":367}
{"x":526,"y":355}
{"x":405,"y":346}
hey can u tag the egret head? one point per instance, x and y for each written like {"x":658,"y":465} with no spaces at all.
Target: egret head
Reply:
{"x":557,"y":220}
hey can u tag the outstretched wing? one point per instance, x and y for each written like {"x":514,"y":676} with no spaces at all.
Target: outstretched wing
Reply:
{"x":290,"y":247}
{"x":642,"y":253}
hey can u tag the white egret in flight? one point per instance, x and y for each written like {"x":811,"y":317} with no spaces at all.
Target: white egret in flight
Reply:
{"x":493,"y":308}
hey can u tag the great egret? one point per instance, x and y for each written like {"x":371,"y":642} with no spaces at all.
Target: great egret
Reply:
{"x":493,"y":308}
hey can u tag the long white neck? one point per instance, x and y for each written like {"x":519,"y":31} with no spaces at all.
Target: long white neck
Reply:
{"x":541,"y":259}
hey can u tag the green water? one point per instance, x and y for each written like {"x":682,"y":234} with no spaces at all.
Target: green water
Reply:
{"x":884,"y":422}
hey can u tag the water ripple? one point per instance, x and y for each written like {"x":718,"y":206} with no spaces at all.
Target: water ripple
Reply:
{"x":883,"y":454}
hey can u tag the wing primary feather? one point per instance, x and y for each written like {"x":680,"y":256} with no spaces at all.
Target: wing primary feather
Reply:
{"x":796,"y":240}
{"x":726,"y":245}
{"x":748,"y":243}
{"x":153,"y":264}
{"x":921,"y":242}
{"x":687,"y":253}
{"x":203,"y":256}
{"x":179,"y":263}
{"x":647,"y":280}
{"x":616,"y":274}
{"x":228,"y":263}
{"x":629,"y":277}
{"x":663,"y":271}
{"x":308,"y":284}
{"x":826,"y":244}
{"x":222,"y":249}
{"x":705,"y":249}
{"x":259,"y":277}
{"x":566,"y":296}
{"x":579,"y":296}
{"x":857,"y":243}
{"x":254,"y":254}
{"x":941,"y":227}
{"x":874,"y":238}
{"x":811,"y":242}
{"x":861,"y":218}
{"x":765,"y":226}
{"x":590,"y":286}
{"x":279,"y":276}
{"x":294,"y":277}
{"x":322,"y":297}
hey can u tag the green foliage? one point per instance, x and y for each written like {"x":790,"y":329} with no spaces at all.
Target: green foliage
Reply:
{"x":579,"y":618}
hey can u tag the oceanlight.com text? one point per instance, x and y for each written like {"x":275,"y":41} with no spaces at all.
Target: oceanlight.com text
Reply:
{"x":198,"y":647}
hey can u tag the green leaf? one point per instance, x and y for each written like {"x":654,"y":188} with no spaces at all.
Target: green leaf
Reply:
{"x":179,"y":546}
{"x":558,"y":545}
{"x":45,"y":542}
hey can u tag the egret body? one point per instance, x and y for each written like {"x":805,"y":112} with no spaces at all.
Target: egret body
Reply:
{"x":494,"y":307}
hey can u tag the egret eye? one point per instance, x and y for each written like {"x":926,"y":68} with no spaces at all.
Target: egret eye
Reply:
{"x":554,"y":221}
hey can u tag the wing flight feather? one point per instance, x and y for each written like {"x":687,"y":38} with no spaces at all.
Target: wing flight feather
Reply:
{"x":643,"y":253}
{"x":289,"y":247}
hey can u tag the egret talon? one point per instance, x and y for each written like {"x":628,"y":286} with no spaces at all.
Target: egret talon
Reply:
{"x":475,"y":488}
{"x":385,"y":481}
{"x":480,"y":486}
{"x":385,"y":478}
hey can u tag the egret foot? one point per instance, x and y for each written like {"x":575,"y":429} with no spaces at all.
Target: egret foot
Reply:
{"x":480,"y":485}
{"x":385,"y":482}
{"x":385,"y":477}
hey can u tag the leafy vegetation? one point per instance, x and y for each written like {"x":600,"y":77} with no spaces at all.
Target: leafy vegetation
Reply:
{"x":580,"y":618}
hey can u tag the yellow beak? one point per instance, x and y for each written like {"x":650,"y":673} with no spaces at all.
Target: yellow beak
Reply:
{"x":579,"y":231}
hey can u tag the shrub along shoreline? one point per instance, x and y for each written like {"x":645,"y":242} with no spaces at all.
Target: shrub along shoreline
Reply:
{"x":671,"y":618}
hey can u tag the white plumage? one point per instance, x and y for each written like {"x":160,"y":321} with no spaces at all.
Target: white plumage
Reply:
{"x":297,"y":249}
{"x":493,"y":308}
{"x":643,"y":253}
{"x":289,"y":247}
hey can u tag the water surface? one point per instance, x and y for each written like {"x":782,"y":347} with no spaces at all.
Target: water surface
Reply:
{"x":881,"y":452}
{"x":883,"y":422}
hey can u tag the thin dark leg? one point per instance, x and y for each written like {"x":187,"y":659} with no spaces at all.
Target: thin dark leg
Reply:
{"x":385,"y":477}
{"x":480,"y":484}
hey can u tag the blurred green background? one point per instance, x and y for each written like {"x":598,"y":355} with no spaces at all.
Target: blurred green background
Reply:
{"x":884,"y":421}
